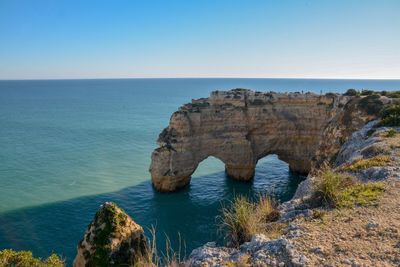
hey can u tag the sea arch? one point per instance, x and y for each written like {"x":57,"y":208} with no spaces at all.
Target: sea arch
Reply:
{"x":240,"y":127}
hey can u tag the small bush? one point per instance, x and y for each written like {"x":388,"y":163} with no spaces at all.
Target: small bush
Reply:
{"x":243,"y":218}
{"x":393,"y":94}
{"x":371,"y":104}
{"x":351,"y":92}
{"x":9,"y":257}
{"x":318,"y":214}
{"x":340,"y":191}
{"x":370,"y":132}
{"x":367,"y":92}
{"x":375,"y":150}
{"x":329,"y":185}
{"x":391,"y":133}
{"x":360,"y":195}
{"x":368,"y":163}
{"x":390,"y":115}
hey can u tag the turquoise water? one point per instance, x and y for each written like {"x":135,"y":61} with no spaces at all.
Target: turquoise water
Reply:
{"x":66,"y":146}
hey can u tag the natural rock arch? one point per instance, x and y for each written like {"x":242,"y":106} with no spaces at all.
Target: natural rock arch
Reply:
{"x":239,"y":127}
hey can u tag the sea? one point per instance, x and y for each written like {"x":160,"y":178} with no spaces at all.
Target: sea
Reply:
{"x":67,"y":146}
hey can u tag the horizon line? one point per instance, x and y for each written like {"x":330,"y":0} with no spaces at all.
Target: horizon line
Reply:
{"x":201,"y":77}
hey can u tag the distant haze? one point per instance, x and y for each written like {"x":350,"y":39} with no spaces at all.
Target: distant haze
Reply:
{"x":209,"y":38}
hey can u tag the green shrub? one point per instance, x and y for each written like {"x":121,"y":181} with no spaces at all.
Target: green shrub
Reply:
{"x":329,"y":185}
{"x":9,"y":257}
{"x":351,"y":92}
{"x":360,"y":195}
{"x":371,"y":104}
{"x":391,"y":133}
{"x":367,"y":92}
{"x":390,"y":115}
{"x":244,"y":218}
{"x":341,"y":191}
{"x":370,"y":132}
{"x":361,"y":164}
{"x":393,"y":94}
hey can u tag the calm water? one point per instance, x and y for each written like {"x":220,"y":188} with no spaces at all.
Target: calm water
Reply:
{"x":68,"y":146}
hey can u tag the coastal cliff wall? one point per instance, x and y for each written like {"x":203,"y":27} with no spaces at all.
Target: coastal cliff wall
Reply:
{"x":239,"y":127}
{"x":360,"y":185}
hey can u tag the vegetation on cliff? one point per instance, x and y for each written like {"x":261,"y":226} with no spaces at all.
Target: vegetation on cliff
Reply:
{"x":9,"y":257}
{"x":365,"y":163}
{"x":244,"y":218}
{"x":354,"y":92}
{"x":112,"y":239}
{"x":390,"y":115}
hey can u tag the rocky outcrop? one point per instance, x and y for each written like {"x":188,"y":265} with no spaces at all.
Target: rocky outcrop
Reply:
{"x":240,"y":126}
{"x":361,"y":236}
{"x":352,"y":117}
{"x":112,"y":239}
{"x":260,"y":251}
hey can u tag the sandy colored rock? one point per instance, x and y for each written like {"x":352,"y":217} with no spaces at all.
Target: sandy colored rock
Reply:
{"x":240,"y":127}
{"x":112,"y":239}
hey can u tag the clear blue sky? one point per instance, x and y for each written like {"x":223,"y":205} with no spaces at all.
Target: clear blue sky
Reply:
{"x":203,"y":38}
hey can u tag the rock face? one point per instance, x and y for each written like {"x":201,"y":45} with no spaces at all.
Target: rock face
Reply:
{"x":239,"y":127}
{"x":112,"y":239}
{"x":360,"y":236}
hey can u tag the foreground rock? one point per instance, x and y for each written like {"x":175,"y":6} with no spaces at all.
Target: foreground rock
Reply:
{"x":359,"y":236}
{"x":112,"y":239}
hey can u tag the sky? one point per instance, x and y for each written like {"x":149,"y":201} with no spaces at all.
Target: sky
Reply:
{"x":63,"y":39}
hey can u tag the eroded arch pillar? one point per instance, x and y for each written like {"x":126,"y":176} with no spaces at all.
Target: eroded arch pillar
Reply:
{"x":239,"y":127}
{"x":172,"y":169}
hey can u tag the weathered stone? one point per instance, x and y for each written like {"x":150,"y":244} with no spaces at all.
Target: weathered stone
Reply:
{"x":239,"y":127}
{"x":112,"y":239}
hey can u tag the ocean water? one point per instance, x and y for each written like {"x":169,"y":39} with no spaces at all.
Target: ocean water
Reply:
{"x":66,"y":146}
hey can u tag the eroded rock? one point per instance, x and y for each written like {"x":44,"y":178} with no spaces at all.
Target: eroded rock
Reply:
{"x":112,"y":239}
{"x":239,"y":127}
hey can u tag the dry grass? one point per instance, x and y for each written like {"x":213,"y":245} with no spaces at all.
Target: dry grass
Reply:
{"x":361,"y":164}
{"x":338,"y":190}
{"x":155,"y":258}
{"x":243,"y":261}
{"x":244,"y":218}
{"x":328,"y":186}
{"x":344,"y":234}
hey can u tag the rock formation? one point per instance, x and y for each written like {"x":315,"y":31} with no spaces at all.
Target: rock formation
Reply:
{"x":112,"y":239}
{"x":239,"y":127}
{"x":364,"y":235}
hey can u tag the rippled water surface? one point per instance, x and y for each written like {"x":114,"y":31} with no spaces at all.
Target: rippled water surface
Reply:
{"x":68,"y":146}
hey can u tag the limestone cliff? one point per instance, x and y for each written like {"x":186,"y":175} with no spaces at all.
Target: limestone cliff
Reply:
{"x":363,"y":235}
{"x":112,"y":239}
{"x":240,"y":126}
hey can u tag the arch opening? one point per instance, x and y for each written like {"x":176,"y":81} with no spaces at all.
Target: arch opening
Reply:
{"x":274,"y":175}
{"x":209,"y":165}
